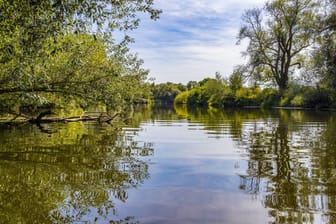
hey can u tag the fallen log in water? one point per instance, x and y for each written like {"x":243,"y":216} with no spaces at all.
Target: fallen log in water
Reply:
{"x":101,"y":117}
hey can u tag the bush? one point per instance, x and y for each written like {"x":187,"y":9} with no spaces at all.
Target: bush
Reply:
{"x":316,"y":98}
{"x":229,"y":100}
{"x":166,"y":92}
{"x":270,"y":98}
{"x":219,"y":98}
{"x":182,"y":97}
{"x":216,"y":100}
{"x":293,"y":96}
{"x":297,"y":101}
{"x":248,"y":97}
{"x":285,"y":101}
{"x":197,"y":97}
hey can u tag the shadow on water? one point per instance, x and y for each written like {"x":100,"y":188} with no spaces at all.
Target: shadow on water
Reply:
{"x":73,"y":174}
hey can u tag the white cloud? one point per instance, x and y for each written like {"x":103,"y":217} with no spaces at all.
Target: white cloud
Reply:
{"x":193,"y":39}
{"x":191,"y":62}
{"x":202,"y":7}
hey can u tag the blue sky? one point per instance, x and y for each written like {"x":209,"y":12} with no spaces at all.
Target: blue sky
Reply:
{"x":193,"y":39}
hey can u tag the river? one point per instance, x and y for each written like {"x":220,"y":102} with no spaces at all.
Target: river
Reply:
{"x":173,"y":166}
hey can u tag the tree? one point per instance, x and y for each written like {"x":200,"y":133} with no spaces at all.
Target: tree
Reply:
{"x":33,"y":21}
{"x":79,"y":72}
{"x":236,"y":80}
{"x":325,"y":54}
{"x":191,"y":85}
{"x":277,"y":40}
{"x":166,"y":92}
{"x":64,"y":50}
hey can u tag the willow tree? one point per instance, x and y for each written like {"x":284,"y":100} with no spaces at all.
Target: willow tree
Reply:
{"x":64,"y":50}
{"x":277,"y":35}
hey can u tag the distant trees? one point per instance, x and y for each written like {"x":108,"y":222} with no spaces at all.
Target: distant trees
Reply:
{"x":236,"y":80}
{"x":166,"y":92}
{"x":211,"y":92}
{"x":219,"y":92}
{"x":277,"y":36}
{"x":208,"y":91}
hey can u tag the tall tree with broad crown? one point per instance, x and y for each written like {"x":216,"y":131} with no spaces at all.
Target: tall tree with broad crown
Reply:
{"x":277,"y":35}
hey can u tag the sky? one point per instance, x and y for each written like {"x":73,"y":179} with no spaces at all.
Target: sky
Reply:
{"x":192,"y":40}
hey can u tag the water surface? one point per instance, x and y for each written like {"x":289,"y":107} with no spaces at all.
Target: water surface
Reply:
{"x":173,"y":166}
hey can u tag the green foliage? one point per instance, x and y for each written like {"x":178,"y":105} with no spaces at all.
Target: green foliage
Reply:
{"x":78,"y":70}
{"x":191,"y":85}
{"x":277,"y":35}
{"x":62,"y":52}
{"x":271,"y":98}
{"x":325,"y":54}
{"x":229,"y":100}
{"x":216,"y":100}
{"x":32,"y":22}
{"x":216,"y":93}
{"x":198,"y":97}
{"x":213,"y":93}
{"x":182,"y":98}
{"x":306,"y":97}
{"x":209,"y":92}
{"x":236,"y":80}
{"x":293,"y":96}
{"x":297,"y":101}
{"x":316,"y":98}
{"x":204,"y":81}
{"x":248,"y":97}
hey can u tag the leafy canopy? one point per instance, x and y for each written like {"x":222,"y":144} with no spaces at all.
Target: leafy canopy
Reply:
{"x":278,"y":34}
{"x":63,"y":51}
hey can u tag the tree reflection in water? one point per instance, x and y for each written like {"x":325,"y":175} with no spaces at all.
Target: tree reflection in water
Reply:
{"x":75,"y":174}
{"x":290,"y":159}
{"x":290,"y":163}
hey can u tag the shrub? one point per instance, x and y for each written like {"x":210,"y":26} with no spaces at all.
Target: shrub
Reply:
{"x":293,"y":96}
{"x":216,"y":100}
{"x":220,"y":97}
{"x":297,"y":101}
{"x":182,"y":97}
{"x":270,"y":98}
{"x":229,"y":100}
{"x":248,"y":97}
{"x":197,"y":97}
{"x":316,"y":98}
{"x":285,"y":101}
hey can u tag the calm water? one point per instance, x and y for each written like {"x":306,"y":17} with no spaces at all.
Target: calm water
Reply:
{"x":173,"y":166}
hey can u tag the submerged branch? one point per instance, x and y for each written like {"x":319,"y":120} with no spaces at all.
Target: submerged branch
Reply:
{"x":40,"y":119}
{"x":101,"y":118}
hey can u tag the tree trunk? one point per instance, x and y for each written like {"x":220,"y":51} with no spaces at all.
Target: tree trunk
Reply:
{"x":283,"y":83}
{"x":38,"y":119}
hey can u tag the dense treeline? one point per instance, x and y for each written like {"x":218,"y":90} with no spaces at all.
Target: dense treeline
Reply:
{"x":223,"y":93}
{"x":166,"y":92}
{"x":291,"y":62}
{"x":214,"y":92}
